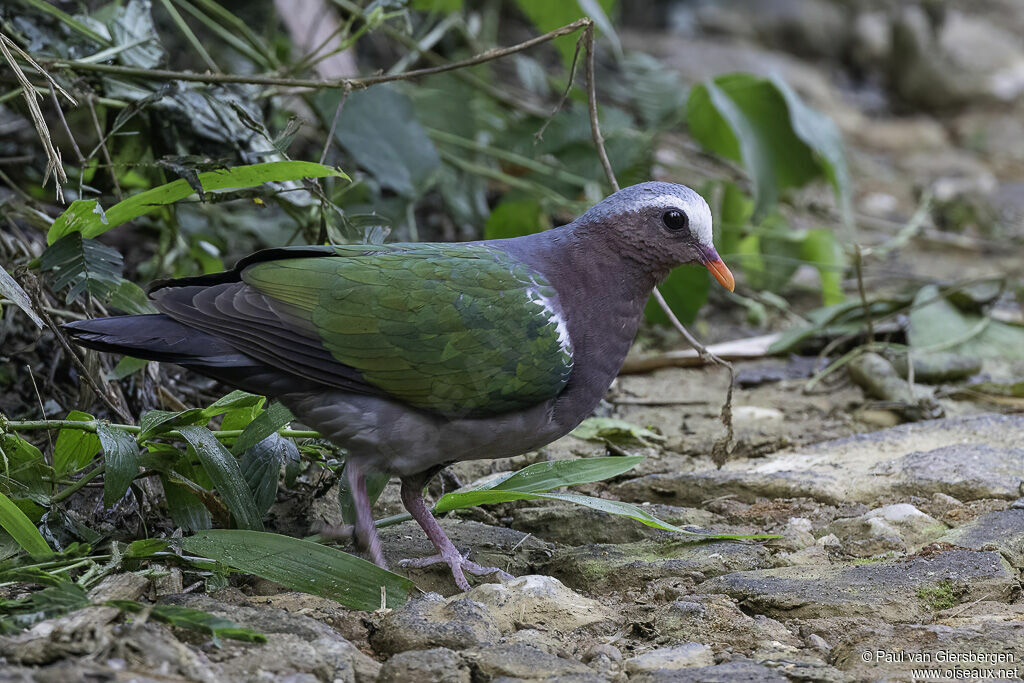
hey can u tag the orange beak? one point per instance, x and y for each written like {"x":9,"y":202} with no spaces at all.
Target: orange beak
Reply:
{"x":713,"y":262}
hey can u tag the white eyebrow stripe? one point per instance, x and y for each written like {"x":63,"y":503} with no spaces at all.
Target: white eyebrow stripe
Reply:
{"x":700,"y":215}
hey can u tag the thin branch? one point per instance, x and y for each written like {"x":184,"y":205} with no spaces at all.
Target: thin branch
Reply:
{"x":352,"y":83}
{"x":723,"y":447}
{"x":103,"y":148}
{"x":334,"y":124}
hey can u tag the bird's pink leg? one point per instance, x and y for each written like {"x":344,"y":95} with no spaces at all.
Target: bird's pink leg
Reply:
{"x":365,"y":531}
{"x":412,"y":497}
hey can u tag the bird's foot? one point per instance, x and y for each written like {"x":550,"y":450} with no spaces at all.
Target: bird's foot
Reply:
{"x":459,"y":564}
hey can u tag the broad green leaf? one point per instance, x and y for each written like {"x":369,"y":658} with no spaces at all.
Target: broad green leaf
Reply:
{"x":654,"y":90}
{"x":21,"y":529}
{"x":146,"y":547}
{"x":194,"y":619}
{"x":820,"y":248}
{"x":746,"y":118}
{"x":86,"y":217}
{"x":547,"y":15}
{"x":442,"y":6}
{"x":121,"y":457}
{"x":185,"y":508}
{"x":378,"y":128}
{"x":685,"y":290}
{"x":515,"y":217}
{"x":375,"y":483}
{"x":226,"y":476}
{"x":303,"y":566}
{"x":10,"y":289}
{"x":75,"y":447}
{"x":82,"y":265}
{"x":127,"y":366}
{"x":615,"y":430}
{"x":938,"y":325}
{"x":128,"y":297}
{"x":27,"y":474}
{"x":822,"y":135}
{"x":546,"y":476}
{"x":156,"y":422}
{"x":261,"y":467}
{"x":265,"y":424}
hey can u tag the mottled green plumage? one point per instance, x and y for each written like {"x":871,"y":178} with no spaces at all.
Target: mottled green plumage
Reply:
{"x":461,"y":329}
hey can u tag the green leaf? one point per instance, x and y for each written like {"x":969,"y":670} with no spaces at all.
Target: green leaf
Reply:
{"x":937,"y":325}
{"x":156,"y":422}
{"x":226,"y":476}
{"x":10,"y":289}
{"x":121,"y":457}
{"x":193,"y":619}
{"x":146,"y":547}
{"x":375,"y":484}
{"x":21,"y":529}
{"x":127,"y":366}
{"x":685,"y":290}
{"x":546,"y":16}
{"x":303,"y":566}
{"x":75,"y":447}
{"x":86,"y":217}
{"x":822,"y":135}
{"x":379,"y":129}
{"x":821,"y":249}
{"x":781,"y":142}
{"x":55,"y":600}
{"x":546,"y":476}
{"x":442,"y":6}
{"x":265,"y":424}
{"x":185,"y":508}
{"x":82,"y":265}
{"x":615,"y":430}
{"x":261,"y":467}
{"x":129,"y":298}
{"x":515,"y":217}
{"x":27,"y":474}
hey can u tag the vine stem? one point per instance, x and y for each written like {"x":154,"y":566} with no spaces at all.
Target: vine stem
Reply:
{"x":723,"y":447}
{"x":316,"y":84}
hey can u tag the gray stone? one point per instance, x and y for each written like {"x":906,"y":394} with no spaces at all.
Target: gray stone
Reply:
{"x":540,"y":602}
{"x":577,"y":525}
{"x":1002,"y":531}
{"x":717,"y":621}
{"x":420,"y":666}
{"x":681,"y":656}
{"x":524,"y":662}
{"x":742,"y":671}
{"x":431,"y":621}
{"x":899,"y":591}
{"x":603,"y":567}
{"x":896,"y":527}
{"x":492,"y":546}
{"x":893,"y":650}
{"x":969,"y":457}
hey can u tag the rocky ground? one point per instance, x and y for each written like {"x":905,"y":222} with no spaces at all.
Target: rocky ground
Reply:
{"x":901,"y":546}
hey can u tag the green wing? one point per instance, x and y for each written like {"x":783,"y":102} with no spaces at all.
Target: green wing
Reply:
{"x":454,"y":329}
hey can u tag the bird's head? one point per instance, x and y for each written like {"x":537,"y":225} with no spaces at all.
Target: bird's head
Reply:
{"x":660,"y":225}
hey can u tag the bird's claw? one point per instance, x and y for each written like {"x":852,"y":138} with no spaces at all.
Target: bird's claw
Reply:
{"x":459,"y":564}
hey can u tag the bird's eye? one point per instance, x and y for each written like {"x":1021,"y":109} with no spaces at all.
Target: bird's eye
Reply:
{"x":675,"y":219}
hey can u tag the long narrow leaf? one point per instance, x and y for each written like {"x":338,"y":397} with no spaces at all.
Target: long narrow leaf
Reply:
{"x":20,"y":527}
{"x":303,"y":566}
{"x":121,"y":457}
{"x":10,"y":289}
{"x":83,"y":215}
{"x":265,"y":424}
{"x":226,"y":475}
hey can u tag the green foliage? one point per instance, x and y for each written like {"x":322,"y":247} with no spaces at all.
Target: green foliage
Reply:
{"x":763,"y":124}
{"x":615,"y":430}
{"x":192,"y":619}
{"x":226,"y":476}
{"x":21,"y":529}
{"x":547,"y":16}
{"x":75,"y":448}
{"x":303,"y":566}
{"x":82,"y":265}
{"x":85,"y":216}
{"x":936,"y":324}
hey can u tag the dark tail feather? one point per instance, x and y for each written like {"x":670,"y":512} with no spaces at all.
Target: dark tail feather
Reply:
{"x":156,"y":337}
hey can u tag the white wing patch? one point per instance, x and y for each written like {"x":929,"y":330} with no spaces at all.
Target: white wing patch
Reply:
{"x":697,"y":210}
{"x":564,"y":342}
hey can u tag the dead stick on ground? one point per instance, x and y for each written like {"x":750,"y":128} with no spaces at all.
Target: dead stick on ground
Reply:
{"x":723,"y":447}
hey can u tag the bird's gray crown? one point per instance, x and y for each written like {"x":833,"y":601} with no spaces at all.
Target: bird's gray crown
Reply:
{"x":656,"y":194}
